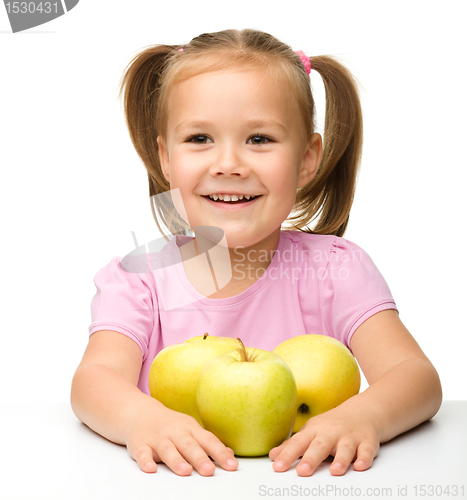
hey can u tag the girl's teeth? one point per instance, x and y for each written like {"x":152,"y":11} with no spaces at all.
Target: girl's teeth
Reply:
{"x":227,"y":197}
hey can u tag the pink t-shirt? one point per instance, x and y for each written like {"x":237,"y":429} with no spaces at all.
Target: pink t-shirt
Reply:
{"x":314,"y":285}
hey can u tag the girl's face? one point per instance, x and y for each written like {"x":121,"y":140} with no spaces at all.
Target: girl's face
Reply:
{"x":236,"y":133}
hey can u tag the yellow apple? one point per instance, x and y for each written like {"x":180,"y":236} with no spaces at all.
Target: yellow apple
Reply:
{"x":325,"y":371}
{"x":247,"y":398}
{"x":175,"y":370}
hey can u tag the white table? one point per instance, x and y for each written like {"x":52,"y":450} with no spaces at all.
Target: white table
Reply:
{"x":47,"y":453}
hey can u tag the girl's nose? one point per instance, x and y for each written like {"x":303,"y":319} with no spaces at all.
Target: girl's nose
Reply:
{"x":229,"y":163}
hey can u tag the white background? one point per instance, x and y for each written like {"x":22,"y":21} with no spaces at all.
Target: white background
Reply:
{"x":73,"y":188}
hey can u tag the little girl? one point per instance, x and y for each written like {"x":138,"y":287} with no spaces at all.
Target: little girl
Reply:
{"x":225,"y":126}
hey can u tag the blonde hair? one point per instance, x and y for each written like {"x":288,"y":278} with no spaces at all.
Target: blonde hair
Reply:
{"x":152,"y":73}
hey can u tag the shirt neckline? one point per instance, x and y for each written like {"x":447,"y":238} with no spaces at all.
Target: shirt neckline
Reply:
{"x":235,"y":299}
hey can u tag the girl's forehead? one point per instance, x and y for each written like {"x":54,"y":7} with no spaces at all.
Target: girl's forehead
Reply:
{"x":231,"y":84}
{"x":229,"y":88}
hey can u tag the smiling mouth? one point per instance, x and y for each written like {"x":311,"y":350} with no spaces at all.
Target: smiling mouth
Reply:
{"x":230,"y":201}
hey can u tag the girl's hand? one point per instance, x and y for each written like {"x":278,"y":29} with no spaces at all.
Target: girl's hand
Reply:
{"x":105,"y":397}
{"x":178,"y":440}
{"x":332,"y":433}
{"x":389,"y":357}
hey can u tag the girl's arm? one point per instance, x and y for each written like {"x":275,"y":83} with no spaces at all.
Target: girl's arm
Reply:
{"x":404,"y":391}
{"x":104,"y":396}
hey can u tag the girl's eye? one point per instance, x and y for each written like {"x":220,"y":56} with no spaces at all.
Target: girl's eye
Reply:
{"x":258,"y":140}
{"x":199,"y":139}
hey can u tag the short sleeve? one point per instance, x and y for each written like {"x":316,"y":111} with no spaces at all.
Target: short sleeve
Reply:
{"x":123,"y":303}
{"x":353,"y":289}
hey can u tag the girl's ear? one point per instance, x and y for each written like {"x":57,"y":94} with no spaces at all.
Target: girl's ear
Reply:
{"x":311,"y":160}
{"x":164,"y":157}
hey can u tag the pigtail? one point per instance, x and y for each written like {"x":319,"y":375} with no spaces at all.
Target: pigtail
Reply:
{"x":330,"y":194}
{"x":139,"y":87}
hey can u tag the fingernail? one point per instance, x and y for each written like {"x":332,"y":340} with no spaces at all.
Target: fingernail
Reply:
{"x":280,"y":464}
{"x":183,"y":467}
{"x":306,"y":467}
{"x":360,"y":463}
{"x":206,"y":468}
{"x":231,"y":462}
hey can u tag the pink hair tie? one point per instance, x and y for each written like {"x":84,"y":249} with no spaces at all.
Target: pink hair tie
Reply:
{"x":305,"y":60}
{"x":180,"y":50}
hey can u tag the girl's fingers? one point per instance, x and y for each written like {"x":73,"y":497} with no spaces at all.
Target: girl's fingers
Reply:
{"x":166,"y":452}
{"x":213,"y":447}
{"x":179,"y":455}
{"x":185,"y":452}
{"x":343,"y":457}
{"x":275,"y":451}
{"x":194,"y":454}
{"x":144,"y":457}
{"x":291,"y":450}
{"x":366,"y":453}
{"x":319,"y":449}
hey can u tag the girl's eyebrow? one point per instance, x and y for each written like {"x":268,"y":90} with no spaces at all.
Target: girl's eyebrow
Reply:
{"x":195,"y":124}
{"x":266,"y":124}
{"x":251,"y":124}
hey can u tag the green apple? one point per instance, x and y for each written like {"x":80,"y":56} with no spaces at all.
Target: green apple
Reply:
{"x":325,"y":372}
{"x":247,"y":398}
{"x":174,"y":372}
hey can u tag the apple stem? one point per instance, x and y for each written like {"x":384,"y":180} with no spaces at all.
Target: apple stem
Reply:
{"x":244,"y":355}
{"x":205,"y":336}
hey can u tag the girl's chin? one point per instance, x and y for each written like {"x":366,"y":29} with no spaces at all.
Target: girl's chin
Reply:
{"x":245,"y":239}
{"x":233,"y":238}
